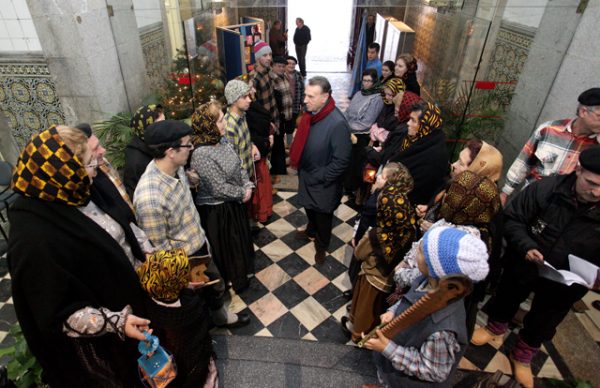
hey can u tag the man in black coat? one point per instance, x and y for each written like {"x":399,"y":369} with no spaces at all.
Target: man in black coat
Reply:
{"x":301,"y":39}
{"x":324,"y":159}
{"x":548,"y":221}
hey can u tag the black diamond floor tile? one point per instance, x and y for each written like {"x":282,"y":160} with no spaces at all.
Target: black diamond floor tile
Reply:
{"x":277,"y":198}
{"x":297,"y":219}
{"x":3,"y":265}
{"x":293,"y":264}
{"x":331,"y":268}
{"x":261,"y":261}
{"x":252,"y":328}
{"x":335,"y":243}
{"x":330,"y":331}
{"x":330,"y":297}
{"x":287,"y":326}
{"x":290,"y":294}
{"x":5,"y":290}
{"x":335,"y":222}
{"x":8,"y":317}
{"x":480,"y":356}
{"x":294,"y":240}
{"x":293,"y":200}
{"x":254,"y":292}
{"x":264,"y":237}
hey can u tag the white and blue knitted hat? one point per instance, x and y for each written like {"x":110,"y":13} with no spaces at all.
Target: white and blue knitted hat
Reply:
{"x":448,"y":250}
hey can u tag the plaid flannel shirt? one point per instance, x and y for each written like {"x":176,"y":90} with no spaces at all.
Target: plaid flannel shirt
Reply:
{"x":433,"y":361}
{"x":282,"y":87}
{"x":238,"y":135}
{"x":297,"y":85}
{"x":552,"y":149}
{"x":165,"y":211}
{"x":265,"y":93}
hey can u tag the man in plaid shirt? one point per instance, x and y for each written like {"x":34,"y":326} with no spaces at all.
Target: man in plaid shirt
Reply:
{"x":262,"y":82}
{"x":555,"y":146}
{"x":165,"y":208}
{"x":283,"y":96}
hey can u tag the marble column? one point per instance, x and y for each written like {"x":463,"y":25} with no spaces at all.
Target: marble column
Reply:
{"x":94,"y":54}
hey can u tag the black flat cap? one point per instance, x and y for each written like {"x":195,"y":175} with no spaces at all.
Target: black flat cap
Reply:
{"x":590,"y":97}
{"x":166,"y":131}
{"x":590,"y":159}
{"x":280,"y":60}
{"x":85,"y":128}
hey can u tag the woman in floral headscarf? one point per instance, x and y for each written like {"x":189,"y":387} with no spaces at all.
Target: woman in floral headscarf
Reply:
{"x":422,"y":149}
{"x":74,"y":286}
{"x":137,"y":154}
{"x":382,"y":249}
{"x":222,"y":193}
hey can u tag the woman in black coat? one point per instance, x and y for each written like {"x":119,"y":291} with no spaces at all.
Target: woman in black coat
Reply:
{"x":137,"y":153}
{"x":421,"y":146}
{"x":74,"y":286}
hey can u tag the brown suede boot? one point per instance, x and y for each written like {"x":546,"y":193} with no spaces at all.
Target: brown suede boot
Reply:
{"x":522,"y":373}
{"x":482,"y":336}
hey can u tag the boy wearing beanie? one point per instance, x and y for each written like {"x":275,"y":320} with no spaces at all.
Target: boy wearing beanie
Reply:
{"x":237,"y":94}
{"x":427,"y":353}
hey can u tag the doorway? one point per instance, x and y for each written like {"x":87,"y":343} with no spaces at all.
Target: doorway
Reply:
{"x":330,"y":23}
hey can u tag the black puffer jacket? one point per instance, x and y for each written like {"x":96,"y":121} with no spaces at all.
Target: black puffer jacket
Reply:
{"x":547,"y":217}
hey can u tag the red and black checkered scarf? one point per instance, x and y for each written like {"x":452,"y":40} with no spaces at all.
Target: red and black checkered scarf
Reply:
{"x":48,"y":170}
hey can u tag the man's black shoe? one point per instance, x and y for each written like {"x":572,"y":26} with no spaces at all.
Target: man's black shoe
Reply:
{"x":243,"y":320}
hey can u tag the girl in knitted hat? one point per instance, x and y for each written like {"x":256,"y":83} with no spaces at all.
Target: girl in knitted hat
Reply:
{"x":428,"y":352}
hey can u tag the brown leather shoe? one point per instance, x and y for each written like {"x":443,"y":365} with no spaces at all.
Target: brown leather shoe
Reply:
{"x":371,"y":386}
{"x":320,"y":256}
{"x":482,"y":336}
{"x":522,"y":373}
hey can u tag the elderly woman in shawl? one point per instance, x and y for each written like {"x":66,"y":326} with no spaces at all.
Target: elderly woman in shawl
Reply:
{"x":382,"y":249}
{"x":74,"y":286}
{"x":137,"y":153}
{"x":422,"y":149}
{"x":224,"y":189}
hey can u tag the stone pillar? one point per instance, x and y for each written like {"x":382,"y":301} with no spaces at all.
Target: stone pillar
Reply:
{"x":94,"y":54}
{"x":562,"y":62}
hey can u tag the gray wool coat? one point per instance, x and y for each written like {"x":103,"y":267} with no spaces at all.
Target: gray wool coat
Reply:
{"x":323,"y":163}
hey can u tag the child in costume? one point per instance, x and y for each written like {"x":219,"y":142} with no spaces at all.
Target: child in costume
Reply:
{"x":427,"y":353}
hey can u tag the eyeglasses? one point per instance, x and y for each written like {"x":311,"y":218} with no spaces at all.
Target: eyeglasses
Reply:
{"x":185,"y":146}
{"x":367,"y":81}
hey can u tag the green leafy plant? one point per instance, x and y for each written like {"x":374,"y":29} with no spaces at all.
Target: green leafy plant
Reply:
{"x":480,"y":115}
{"x":115,"y":133}
{"x":570,"y":383}
{"x":23,"y":369}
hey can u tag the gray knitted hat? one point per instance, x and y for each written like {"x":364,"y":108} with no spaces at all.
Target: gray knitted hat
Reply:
{"x":235,"y":89}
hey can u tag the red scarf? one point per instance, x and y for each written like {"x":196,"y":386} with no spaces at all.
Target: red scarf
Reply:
{"x":303,"y":131}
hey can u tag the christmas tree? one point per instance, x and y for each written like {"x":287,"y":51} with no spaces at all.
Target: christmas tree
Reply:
{"x":185,"y":90}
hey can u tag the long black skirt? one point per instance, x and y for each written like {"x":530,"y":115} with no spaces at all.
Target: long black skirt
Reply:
{"x":228,"y":232}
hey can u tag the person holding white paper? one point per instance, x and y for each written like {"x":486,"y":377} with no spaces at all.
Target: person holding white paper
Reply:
{"x":547,"y":222}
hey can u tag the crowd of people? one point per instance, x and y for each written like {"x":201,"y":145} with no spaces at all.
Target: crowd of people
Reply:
{"x":97,"y":262}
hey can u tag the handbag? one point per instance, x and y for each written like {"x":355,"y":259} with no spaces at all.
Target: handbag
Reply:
{"x":369,"y":173}
{"x":155,"y":366}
